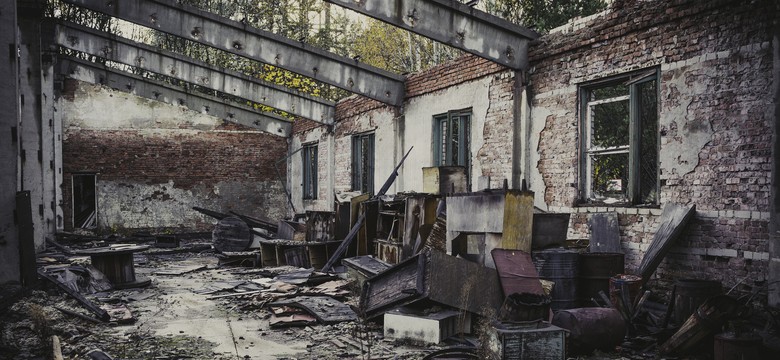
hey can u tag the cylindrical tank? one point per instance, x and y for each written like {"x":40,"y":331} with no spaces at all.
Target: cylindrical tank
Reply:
{"x":690,"y":294}
{"x":595,"y":270}
{"x":559,"y":266}
{"x":591,"y":328}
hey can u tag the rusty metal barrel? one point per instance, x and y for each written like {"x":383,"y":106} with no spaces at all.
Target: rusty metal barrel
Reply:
{"x":595,"y":270}
{"x":559,"y":266}
{"x":591,"y":328}
{"x":689,"y":294}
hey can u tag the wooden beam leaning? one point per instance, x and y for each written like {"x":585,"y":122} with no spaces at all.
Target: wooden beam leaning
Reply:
{"x":455,"y":24}
{"x":235,"y":37}
{"x":159,"y":91}
{"x":180,"y":67}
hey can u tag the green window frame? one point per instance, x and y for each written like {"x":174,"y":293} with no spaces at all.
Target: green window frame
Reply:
{"x":309,"y":158}
{"x":363,"y":163}
{"x":451,"y":138}
{"x":619,"y":140}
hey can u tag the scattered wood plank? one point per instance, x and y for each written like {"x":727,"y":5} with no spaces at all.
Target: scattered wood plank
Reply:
{"x":292,"y":320}
{"x":179,"y":269}
{"x":78,"y":315}
{"x":102,"y":314}
{"x":326,"y":309}
{"x":56,"y":348}
{"x":672,"y":223}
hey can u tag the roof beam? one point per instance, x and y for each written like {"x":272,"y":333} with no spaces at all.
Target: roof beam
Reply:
{"x":455,"y":24}
{"x":180,"y":67}
{"x":156,"y":90}
{"x":235,"y":37}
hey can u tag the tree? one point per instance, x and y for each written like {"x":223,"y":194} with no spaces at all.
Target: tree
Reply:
{"x":543,"y":14}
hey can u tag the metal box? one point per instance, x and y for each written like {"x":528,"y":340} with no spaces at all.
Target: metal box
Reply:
{"x":533,"y":340}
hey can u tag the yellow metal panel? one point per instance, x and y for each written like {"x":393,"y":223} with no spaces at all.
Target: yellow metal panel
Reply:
{"x":518,"y":220}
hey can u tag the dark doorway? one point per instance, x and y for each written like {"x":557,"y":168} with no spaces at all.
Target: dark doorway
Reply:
{"x":84,"y":201}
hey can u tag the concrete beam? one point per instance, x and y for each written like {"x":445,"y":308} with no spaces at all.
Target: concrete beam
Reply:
{"x":180,"y":67}
{"x":159,"y":91}
{"x":235,"y":37}
{"x":455,"y":24}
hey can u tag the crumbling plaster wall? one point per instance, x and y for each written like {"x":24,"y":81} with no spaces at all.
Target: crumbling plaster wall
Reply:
{"x":466,"y":83}
{"x":154,"y":161}
{"x":715,"y":114}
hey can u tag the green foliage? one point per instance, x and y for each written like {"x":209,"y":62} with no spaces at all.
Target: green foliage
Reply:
{"x":543,"y":14}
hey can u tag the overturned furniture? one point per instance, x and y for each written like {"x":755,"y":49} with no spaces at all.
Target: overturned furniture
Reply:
{"x":436,"y":277}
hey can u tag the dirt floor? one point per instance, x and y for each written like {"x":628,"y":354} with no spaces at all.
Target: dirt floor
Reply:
{"x":197,"y":309}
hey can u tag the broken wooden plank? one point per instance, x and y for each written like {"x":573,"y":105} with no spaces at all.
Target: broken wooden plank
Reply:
{"x":326,"y":309}
{"x":604,"y":233}
{"x":672,"y":223}
{"x":102,"y":314}
{"x":344,"y":244}
{"x":179,"y":269}
{"x":434,"y":276}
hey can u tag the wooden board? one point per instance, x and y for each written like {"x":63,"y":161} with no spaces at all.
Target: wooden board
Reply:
{"x":672,"y":223}
{"x":518,"y":220}
{"x":326,"y":309}
{"x":604,"y":233}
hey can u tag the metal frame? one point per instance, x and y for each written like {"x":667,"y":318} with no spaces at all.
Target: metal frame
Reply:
{"x":310,"y":180}
{"x":235,"y":37}
{"x":156,"y":90}
{"x":632,"y":80}
{"x":455,"y":24}
{"x":128,"y":52}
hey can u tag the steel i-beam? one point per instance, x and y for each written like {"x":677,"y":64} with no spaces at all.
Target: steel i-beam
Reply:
{"x":235,"y":37}
{"x":180,"y":67}
{"x":455,"y":24}
{"x":156,"y":90}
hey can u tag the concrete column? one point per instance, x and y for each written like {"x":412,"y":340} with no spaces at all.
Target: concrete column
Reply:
{"x":774,"y":221}
{"x":518,"y":131}
{"x":32,"y":124}
{"x":9,"y":144}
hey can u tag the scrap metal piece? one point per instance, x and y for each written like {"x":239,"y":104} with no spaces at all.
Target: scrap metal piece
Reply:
{"x":433,"y":275}
{"x":672,"y":223}
{"x":517,"y":272}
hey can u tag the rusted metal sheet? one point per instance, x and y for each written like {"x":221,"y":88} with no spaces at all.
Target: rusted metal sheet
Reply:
{"x":516,"y":272}
{"x":549,"y":230}
{"x":518,"y":220}
{"x":672,"y":223}
{"x":476,"y":213}
{"x":434,"y":276}
{"x":604,"y":233}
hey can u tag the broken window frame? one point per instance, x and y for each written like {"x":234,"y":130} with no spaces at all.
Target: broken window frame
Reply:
{"x":91,"y":221}
{"x":444,"y":148}
{"x":588,"y":152}
{"x":363,"y":163}
{"x":309,"y":158}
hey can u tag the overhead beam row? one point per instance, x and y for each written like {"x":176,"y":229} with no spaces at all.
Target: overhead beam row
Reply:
{"x":90,"y":72}
{"x":235,"y":37}
{"x":455,"y":24}
{"x":128,"y":52}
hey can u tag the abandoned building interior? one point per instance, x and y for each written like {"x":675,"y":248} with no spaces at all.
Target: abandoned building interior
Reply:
{"x":605,"y":189}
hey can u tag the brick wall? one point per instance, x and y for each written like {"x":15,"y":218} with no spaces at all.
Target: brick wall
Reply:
{"x":150,"y":178}
{"x":715,"y":112}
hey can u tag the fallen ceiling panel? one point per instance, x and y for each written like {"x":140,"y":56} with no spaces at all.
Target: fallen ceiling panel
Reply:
{"x":455,"y":24}
{"x":128,"y":52}
{"x":156,"y":90}
{"x":235,"y":37}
